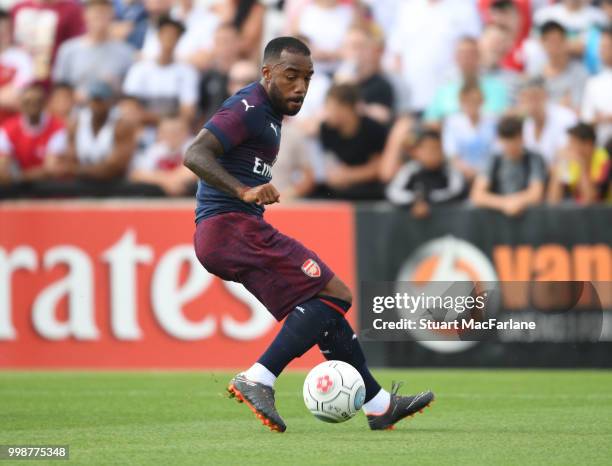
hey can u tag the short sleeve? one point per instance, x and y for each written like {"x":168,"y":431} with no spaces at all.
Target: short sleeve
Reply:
{"x":449,"y":139}
{"x":378,"y":137}
{"x":489,"y":169}
{"x":6,"y":148}
{"x":588,"y":111}
{"x":132,"y":85}
{"x":188,"y":94}
{"x":537,"y":169}
{"x":233,"y":124}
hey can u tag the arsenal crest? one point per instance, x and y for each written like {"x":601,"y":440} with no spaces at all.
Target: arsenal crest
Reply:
{"x":311,"y":268}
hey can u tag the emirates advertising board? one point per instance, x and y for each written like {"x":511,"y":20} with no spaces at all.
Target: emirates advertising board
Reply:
{"x":117,"y":286}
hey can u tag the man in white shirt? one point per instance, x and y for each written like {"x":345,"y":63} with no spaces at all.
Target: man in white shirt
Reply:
{"x":165,"y":86}
{"x":597,"y":101}
{"x":423,"y":42}
{"x":546,"y":123}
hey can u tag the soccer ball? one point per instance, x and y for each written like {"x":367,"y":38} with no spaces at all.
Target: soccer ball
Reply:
{"x":334,"y":391}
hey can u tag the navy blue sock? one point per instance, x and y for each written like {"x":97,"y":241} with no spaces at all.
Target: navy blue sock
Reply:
{"x":302,"y":329}
{"x":340,"y":343}
{"x":319,"y":321}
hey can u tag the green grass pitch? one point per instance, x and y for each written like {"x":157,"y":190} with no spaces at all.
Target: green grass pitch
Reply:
{"x":174,"y":418}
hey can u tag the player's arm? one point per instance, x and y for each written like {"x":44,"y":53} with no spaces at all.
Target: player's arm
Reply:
{"x":201,"y":159}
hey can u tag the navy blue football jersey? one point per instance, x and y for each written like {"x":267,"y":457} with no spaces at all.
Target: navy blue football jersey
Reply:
{"x":249,"y":130}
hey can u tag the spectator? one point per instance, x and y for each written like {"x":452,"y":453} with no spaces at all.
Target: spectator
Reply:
{"x":426,"y":180}
{"x":195,"y":45}
{"x":293,"y":173}
{"x":493,"y":46}
{"x":241,"y":74}
{"x":15,"y":70}
{"x":325,"y":24}
{"x":101,"y":145}
{"x":397,"y":147}
{"x":422,"y":41}
{"x":132,"y":111}
{"x":165,"y":86}
{"x":41,"y":26}
{"x":62,"y":101}
{"x":582,"y":171}
{"x":32,"y":143}
{"x":592,"y":41}
{"x":575,"y":16}
{"x":514,"y":179}
{"x":355,"y":142}
{"x":513,"y":16}
{"x":214,"y":81}
{"x":546,"y":124}
{"x":248,"y":17}
{"x":597,"y":103}
{"x":131,"y":22}
{"x":469,"y":135}
{"x":362,"y":53}
{"x":93,"y":56}
{"x":565,"y":78}
{"x":311,"y":115}
{"x":446,"y":100}
{"x":162,"y":163}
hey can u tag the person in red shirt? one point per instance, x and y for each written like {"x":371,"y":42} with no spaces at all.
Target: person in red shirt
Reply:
{"x":514,"y":15}
{"x":32,"y":143}
{"x":15,"y":70}
{"x":41,"y":26}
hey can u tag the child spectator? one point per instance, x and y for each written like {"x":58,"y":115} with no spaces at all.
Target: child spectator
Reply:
{"x":162,"y":163}
{"x":426,"y":180}
{"x":469,"y":136}
{"x":582,"y":170}
{"x":513,"y":179}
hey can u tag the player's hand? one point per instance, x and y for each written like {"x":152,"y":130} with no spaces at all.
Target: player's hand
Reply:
{"x":261,"y":195}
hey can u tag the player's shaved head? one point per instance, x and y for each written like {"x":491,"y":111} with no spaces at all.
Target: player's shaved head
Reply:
{"x":287,"y":68}
{"x":274,"y":49}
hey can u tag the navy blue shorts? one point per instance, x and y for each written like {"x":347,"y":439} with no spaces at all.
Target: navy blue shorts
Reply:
{"x":278,"y":270}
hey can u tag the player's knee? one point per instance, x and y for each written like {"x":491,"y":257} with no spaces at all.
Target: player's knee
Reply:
{"x":337,"y":289}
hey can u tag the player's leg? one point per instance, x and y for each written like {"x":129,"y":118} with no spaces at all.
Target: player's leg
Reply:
{"x":301,"y":330}
{"x":339,"y":342}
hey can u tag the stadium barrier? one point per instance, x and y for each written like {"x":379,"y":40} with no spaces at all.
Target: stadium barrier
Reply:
{"x":566,"y":246}
{"x":116,"y":285}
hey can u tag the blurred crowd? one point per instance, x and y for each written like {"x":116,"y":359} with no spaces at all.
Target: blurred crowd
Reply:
{"x":504,"y":103}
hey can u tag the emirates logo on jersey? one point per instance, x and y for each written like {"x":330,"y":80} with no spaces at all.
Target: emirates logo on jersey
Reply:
{"x":311,"y":268}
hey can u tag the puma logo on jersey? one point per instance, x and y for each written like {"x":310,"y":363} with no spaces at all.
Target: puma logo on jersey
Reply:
{"x":246,"y":105}
{"x":274,"y":128}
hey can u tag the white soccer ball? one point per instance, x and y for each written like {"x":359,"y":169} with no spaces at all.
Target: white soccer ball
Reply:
{"x":334,"y":391}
